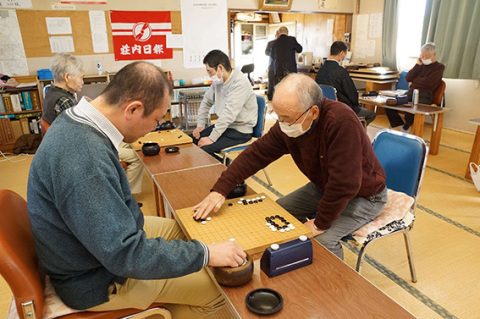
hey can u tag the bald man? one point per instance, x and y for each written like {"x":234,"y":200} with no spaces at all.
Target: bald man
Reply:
{"x":329,"y":145}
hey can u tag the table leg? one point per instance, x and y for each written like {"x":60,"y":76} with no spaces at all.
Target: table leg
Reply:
{"x":418,"y":124}
{"x":436,"y":133}
{"x":158,"y":201}
{"x":475,"y":154}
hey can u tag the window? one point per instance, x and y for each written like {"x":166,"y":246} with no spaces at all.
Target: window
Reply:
{"x":410,"y":24}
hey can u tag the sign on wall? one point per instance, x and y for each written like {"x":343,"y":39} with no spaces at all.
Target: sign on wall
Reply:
{"x":141,"y":35}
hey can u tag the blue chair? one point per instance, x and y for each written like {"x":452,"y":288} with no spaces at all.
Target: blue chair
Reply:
{"x":402,"y":83}
{"x":403,"y":157}
{"x":257,"y":133}
{"x":329,"y":91}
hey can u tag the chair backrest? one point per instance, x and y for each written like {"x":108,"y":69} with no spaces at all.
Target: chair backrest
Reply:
{"x":402,"y":83}
{"x":403,"y":157}
{"x":439,"y":94}
{"x":258,"y":128}
{"x":19,"y":264}
{"x":329,"y":91}
{"x":248,"y":68}
{"x":44,"y":126}
{"x":45,"y":89}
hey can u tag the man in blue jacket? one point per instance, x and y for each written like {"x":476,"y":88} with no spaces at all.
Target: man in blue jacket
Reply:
{"x":93,"y":242}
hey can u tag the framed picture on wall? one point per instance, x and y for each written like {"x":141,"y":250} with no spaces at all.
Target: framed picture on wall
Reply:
{"x":276,"y":5}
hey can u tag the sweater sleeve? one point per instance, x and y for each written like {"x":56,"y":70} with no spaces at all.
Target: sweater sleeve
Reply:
{"x":258,"y":155}
{"x":109,"y":230}
{"x":205,"y":106}
{"x":344,"y":172}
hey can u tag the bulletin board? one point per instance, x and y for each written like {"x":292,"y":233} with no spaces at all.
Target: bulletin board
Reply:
{"x":36,"y":38}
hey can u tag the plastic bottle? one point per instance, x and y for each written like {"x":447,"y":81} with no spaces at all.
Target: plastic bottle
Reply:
{"x":415,"y":97}
{"x":99,"y":68}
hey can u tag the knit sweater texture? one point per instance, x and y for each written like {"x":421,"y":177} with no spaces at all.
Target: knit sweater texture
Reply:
{"x":335,"y":154}
{"x":88,"y":228}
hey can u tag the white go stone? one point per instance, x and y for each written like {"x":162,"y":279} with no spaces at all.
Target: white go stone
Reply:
{"x":268,"y":224}
{"x":204,"y":222}
{"x":273,"y":229}
{"x":282,"y":230}
{"x":232,"y":239}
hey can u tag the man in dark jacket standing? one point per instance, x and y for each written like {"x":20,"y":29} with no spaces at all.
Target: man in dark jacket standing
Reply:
{"x":271,"y":74}
{"x":283,"y":54}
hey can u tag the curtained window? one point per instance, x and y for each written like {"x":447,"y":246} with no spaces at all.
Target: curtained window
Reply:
{"x":454,"y":27}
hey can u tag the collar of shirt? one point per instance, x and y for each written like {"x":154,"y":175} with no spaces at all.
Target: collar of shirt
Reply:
{"x":63,"y":90}
{"x":333,"y":60}
{"x":87,"y":110}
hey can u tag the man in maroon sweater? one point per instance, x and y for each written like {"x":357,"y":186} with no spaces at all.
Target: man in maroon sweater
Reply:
{"x":425,"y":76}
{"x":329,"y":145}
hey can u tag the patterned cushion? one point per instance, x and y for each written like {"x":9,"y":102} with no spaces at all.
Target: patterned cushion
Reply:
{"x":396,"y":208}
{"x":385,"y":230}
{"x":54,"y":307}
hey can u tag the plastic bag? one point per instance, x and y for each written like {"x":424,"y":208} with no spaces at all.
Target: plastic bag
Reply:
{"x":475,"y":173}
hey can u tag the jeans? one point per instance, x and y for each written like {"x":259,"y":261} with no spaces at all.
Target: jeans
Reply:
{"x":303,"y":203}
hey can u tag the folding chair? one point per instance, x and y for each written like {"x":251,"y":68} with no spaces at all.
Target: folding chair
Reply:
{"x":403,"y":157}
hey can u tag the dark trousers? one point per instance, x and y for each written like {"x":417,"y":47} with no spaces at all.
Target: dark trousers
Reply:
{"x":395,"y":119}
{"x":229,"y":138}
{"x":271,"y":82}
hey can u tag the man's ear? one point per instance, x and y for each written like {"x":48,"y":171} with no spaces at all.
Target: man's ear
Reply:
{"x":133,"y":109}
{"x":66,"y":77}
{"x":315,"y":110}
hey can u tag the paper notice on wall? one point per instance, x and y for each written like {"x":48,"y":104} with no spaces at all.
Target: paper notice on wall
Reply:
{"x":375,"y":27}
{"x":16,"y":4}
{"x":329,"y":36}
{"x":98,"y":27}
{"x":59,"y":25}
{"x":205,"y":27}
{"x":361,"y":36}
{"x":12,"y":53}
{"x":175,"y":41}
{"x":61,"y":44}
{"x":371,"y":47}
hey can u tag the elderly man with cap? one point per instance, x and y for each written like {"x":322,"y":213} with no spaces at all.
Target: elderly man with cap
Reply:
{"x":329,"y":145}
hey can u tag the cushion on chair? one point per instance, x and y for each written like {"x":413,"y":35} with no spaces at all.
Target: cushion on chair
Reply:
{"x":385,"y":230}
{"x":54,"y":306}
{"x":396,"y":208}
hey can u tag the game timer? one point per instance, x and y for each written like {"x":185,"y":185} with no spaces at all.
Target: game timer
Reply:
{"x":279,"y":259}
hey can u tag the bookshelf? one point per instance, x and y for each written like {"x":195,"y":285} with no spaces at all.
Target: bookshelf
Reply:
{"x":18,"y":105}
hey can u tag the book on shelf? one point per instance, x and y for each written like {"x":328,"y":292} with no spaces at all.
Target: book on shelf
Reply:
{"x":27,"y":100}
{"x":16,"y":102}
{"x":25,"y":125}
{"x":2,"y":106}
{"x":34,"y":126}
{"x":35,"y":100}
{"x":17,"y":129}
{"x":3,"y":137}
{"x":26,"y":115}
{"x":7,"y":101}
{"x":8,"y":131}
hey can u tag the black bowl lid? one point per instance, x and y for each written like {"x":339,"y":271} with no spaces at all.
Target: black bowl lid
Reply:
{"x":264,"y":301}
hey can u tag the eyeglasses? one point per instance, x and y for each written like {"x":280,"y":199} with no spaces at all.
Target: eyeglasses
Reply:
{"x":290,"y":124}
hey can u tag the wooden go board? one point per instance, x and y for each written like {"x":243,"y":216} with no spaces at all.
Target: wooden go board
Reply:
{"x":245,"y":223}
{"x":163,"y":138}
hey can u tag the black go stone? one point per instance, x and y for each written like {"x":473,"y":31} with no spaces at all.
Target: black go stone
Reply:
{"x":230,"y":204}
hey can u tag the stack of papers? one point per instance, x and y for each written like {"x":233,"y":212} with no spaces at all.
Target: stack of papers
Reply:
{"x":393,"y":93}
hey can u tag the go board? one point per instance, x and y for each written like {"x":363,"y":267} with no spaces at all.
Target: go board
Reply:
{"x":244,"y":222}
{"x":163,"y":138}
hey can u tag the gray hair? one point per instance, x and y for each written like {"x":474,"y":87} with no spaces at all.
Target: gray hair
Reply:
{"x":307,"y":90}
{"x":429,"y":46}
{"x":63,"y":63}
{"x":283,"y":30}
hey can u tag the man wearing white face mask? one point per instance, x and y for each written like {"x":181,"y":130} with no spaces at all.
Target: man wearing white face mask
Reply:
{"x":330,"y":146}
{"x":236,"y":106}
{"x":425,"y":76}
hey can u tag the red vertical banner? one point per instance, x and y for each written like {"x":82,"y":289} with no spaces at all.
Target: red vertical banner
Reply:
{"x":141,"y":35}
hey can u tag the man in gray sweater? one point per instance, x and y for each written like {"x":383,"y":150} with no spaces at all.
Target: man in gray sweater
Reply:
{"x":236,"y":106}
{"x":93,"y":241}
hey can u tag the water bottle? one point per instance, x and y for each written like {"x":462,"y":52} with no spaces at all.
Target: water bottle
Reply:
{"x":415,"y":97}
{"x":99,"y":68}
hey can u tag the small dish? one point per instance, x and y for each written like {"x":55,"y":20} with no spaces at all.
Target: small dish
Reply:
{"x":172,"y":149}
{"x":264,"y":301}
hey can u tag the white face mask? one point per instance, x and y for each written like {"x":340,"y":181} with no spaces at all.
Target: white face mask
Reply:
{"x":216,"y":79}
{"x":294,"y":130}
{"x":427,"y":62}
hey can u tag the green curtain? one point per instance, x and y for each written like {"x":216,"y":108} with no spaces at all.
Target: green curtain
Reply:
{"x":454,"y":27}
{"x":389,"y":33}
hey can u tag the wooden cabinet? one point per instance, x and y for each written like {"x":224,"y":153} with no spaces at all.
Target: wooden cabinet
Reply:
{"x":20,"y":109}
